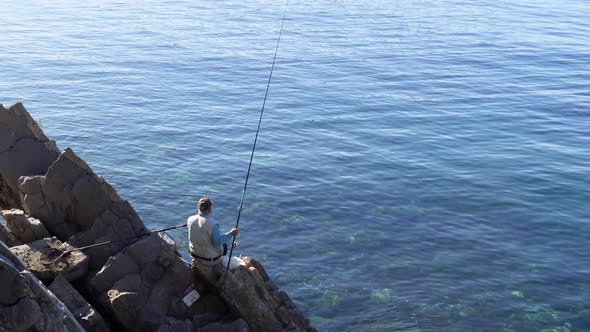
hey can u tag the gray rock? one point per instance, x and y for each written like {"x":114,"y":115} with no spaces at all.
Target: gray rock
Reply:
{"x":175,"y":325}
{"x":26,"y":304}
{"x":81,"y":208}
{"x":7,"y":237}
{"x":25,"y":228}
{"x":18,"y":311}
{"x":201,"y":320}
{"x":13,"y":286}
{"x":238,"y":325}
{"x":24,"y":150}
{"x":115,"y":269}
{"x":143,"y":284}
{"x":250,"y":294}
{"x":86,"y":315}
{"x":71,"y":267}
{"x":213,"y":305}
{"x":21,"y":316}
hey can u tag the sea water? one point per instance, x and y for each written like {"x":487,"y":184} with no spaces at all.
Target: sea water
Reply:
{"x":422,"y":164}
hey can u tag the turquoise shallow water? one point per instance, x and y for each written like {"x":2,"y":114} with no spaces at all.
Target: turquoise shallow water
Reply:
{"x":422,"y":166}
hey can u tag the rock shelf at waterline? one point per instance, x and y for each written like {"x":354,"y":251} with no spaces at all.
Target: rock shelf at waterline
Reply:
{"x":136,"y":282}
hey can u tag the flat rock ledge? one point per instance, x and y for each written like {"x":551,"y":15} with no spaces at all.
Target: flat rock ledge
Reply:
{"x":135,"y":283}
{"x":71,"y":266}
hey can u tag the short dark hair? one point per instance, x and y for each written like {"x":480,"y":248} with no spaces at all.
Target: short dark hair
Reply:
{"x":205,"y":204}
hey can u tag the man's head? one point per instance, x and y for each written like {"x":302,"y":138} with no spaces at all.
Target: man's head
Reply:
{"x":205,"y":205}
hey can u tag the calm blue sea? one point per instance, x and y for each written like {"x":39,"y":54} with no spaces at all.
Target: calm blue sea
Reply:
{"x":422,"y":164}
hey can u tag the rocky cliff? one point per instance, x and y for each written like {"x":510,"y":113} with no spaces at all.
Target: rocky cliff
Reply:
{"x":136,"y":282}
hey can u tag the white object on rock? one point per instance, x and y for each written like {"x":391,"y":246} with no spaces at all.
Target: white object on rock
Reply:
{"x":235,"y":262}
{"x":191,"y":296}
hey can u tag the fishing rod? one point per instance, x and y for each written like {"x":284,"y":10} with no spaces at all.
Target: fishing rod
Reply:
{"x":52,"y":255}
{"x":272,"y":67}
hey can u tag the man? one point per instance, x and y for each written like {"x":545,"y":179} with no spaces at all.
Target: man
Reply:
{"x":206,"y":242}
{"x":245,"y":290}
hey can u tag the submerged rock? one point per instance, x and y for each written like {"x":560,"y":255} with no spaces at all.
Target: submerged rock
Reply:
{"x":24,"y":150}
{"x":71,"y":266}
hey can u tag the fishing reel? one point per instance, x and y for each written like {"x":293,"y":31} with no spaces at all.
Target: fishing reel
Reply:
{"x":225,"y":247}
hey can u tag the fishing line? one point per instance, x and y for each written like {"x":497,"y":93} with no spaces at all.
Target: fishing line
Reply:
{"x":272,"y":67}
{"x":52,"y":255}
